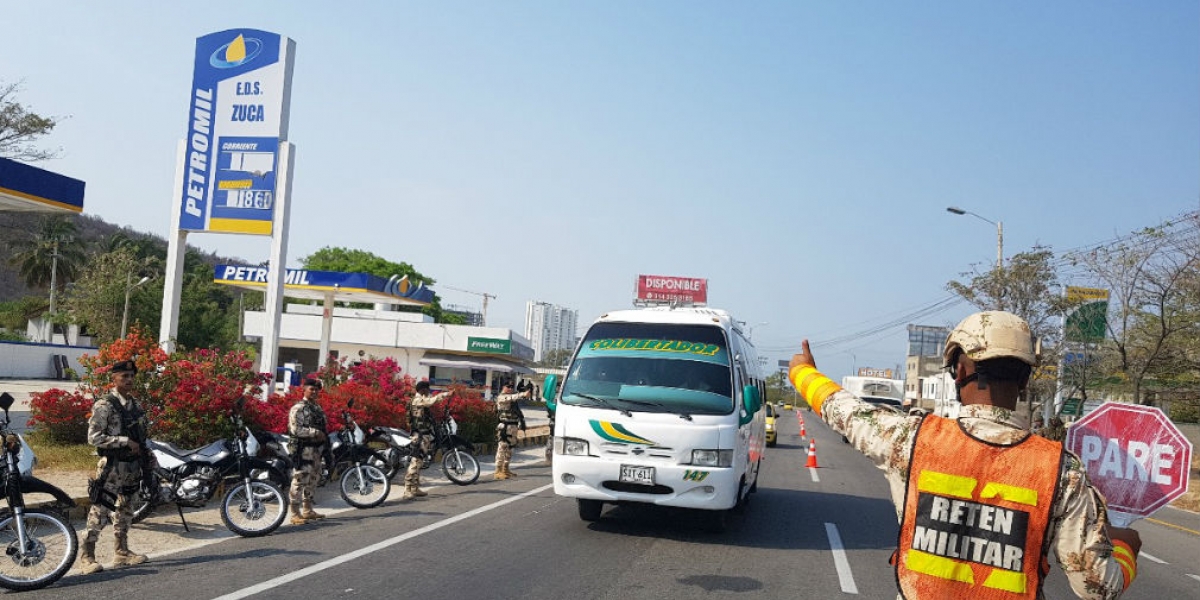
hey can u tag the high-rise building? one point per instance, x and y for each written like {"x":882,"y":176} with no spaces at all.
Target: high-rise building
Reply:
{"x":925,"y":343}
{"x":549,"y":327}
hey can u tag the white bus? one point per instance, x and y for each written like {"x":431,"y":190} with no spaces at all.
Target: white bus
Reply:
{"x":659,"y":406}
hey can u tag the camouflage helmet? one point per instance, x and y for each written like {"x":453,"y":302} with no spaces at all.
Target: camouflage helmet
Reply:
{"x":992,"y":334}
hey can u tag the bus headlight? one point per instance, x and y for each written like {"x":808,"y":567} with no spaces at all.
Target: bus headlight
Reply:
{"x":570,"y":446}
{"x":712,"y":458}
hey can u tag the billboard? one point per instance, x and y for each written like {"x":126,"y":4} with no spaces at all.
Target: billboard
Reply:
{"x":659,"y":289}
{"x":238,"y":114}
{"x":1088,"y":322}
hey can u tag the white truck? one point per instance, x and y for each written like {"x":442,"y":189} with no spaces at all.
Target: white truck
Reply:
{"x":876,"y":390}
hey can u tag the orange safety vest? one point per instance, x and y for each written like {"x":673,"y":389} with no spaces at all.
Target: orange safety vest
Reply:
{"x":975,"y":515}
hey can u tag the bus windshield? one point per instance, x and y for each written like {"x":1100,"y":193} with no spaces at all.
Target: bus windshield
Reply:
{"x":652,"y":367}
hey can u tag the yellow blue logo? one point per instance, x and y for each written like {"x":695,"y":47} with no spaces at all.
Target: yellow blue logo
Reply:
{"x":236,"y":53}
{"x":615,"y":432}
{"x":697,"y":476}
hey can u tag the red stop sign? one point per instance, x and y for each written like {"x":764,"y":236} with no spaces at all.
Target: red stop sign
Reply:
{"x":1134,"y":455}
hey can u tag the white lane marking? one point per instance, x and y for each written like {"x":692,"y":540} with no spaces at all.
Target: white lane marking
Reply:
{"x":349,"y":556}
{"x":1196,"y":577}
{"x":1152,"y":558}
{"x":816,"y":478}
{"x":845,"y":577}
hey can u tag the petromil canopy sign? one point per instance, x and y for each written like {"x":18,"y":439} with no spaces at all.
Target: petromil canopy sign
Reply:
{"x":241,"y":88}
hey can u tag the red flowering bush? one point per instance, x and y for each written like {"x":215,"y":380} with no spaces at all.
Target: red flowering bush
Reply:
{"x":476,"y":417}
{"x":189,"y":395}
{"x":61,"y":415}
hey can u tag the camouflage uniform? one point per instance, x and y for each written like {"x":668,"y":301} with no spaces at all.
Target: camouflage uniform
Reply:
{"x":506,"y":432}
{"x":420,"y":423}
{"x":1078,"y":518}
{"x":119,"y":471}
{"x":306,"y":426}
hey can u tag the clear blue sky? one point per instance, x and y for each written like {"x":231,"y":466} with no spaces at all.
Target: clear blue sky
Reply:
{"x":799,"y":155}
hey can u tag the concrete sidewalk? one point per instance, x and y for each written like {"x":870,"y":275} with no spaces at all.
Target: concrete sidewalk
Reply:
{"x":162,"y":533}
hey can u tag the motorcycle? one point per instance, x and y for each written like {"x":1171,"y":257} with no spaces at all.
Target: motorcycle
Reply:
{"x":254,"y":503}
{"x":39,"y":544}
{"x":458,"y":464}
{"x":363,"y":483}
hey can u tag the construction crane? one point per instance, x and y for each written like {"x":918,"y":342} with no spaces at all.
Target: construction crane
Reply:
{"x":485,"y":299}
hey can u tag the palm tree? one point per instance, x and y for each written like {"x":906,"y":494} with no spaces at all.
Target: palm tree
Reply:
{"x":50,"y":256}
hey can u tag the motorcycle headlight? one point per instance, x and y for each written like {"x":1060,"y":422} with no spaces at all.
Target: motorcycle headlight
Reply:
{"x":570,"y":446}
{"x":770,"y":427}
{"x":712,"y":458}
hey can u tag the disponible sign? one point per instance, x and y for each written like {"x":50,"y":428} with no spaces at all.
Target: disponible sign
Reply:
{"x":489,"y":345}
{"x":662,"y":289}
{"x":241,"y":87}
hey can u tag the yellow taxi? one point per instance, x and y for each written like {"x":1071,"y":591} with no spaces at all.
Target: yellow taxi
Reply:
{"x":787,"y":406}
{"x":772,"y":434}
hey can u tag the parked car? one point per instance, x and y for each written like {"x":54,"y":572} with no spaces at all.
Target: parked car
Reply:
{"x":772,"y":434}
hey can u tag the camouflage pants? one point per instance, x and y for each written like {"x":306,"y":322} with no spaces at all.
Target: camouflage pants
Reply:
{"x":504,"y":438}
{"x":305,"y":475}
{"x":412,"y":477}
{"x":99,"y":516}
{"x":124,"y":476}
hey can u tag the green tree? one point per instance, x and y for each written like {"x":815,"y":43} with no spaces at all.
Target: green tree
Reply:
{"x":1027,"y":286}
{"x":1152,"y":324}
{"x":20,"y":127}
{"x":51,"y":256}
{"x":345,"y":260}
{"x":97,"y":300}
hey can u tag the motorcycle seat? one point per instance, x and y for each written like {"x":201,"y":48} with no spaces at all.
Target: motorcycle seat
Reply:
{"x":181,"y":454}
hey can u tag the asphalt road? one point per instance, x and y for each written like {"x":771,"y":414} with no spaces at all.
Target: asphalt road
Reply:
{"x":826,"y":535}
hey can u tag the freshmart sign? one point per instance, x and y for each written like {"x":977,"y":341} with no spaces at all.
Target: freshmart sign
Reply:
{"x":489,"y":345}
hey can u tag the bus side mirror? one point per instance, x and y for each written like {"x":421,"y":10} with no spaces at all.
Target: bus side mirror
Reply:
{"x":752,"y":402}
{"x":549,"y":387}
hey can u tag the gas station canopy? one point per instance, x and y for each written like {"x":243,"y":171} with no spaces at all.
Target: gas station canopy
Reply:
{"x":318,"y":285}
{"x":30,"y":189}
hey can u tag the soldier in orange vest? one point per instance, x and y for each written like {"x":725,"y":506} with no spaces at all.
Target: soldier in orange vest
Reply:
{"x":981,"y":502}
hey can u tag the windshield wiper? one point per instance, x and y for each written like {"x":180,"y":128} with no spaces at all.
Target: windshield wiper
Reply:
{"x":605,"y":403}
{"x":659,"y":405}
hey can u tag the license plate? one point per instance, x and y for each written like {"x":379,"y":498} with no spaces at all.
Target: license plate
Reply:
{"x":639,"y":475}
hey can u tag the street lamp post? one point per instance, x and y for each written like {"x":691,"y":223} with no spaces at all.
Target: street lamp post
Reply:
{"x":999,"y":231}
{"x":128,"y":290}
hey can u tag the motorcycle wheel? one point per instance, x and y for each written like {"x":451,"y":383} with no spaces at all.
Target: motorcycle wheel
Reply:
{"x":460,"y":467}
{"x":367,"y":491}
{"x":254,"y":512}
{"x":142,"y":506}
{"x":50,"y":551}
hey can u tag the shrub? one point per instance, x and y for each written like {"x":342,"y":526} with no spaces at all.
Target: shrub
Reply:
{"x":476,"y":417}
{"x":1185,"y":411}
{"x":60,"y":416}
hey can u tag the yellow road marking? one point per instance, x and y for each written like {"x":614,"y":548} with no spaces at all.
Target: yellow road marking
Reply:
{"x":1173,"y":526}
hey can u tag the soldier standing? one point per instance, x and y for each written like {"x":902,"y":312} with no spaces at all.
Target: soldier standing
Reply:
{"x":117,"y":428}
{"x":506,"y":432}
{"x":306,"y":426}
{"x":420,"y":424}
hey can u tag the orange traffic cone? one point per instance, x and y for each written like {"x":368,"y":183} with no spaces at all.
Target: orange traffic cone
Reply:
{"x":812,"y":455}
{"x":803,"y":433}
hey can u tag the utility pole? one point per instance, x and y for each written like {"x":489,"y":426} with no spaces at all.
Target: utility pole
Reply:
{"x":485,"y":299}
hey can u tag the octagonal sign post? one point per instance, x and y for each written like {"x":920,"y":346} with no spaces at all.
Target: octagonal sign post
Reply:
{"x":1134,"y":455}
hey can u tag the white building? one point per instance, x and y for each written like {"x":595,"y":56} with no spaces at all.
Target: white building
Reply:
{"x":549,"y":327}
{"x":443,"y":353}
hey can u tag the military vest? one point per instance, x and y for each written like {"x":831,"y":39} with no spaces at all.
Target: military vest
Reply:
{"x":975,"y":515}
{"x":507,"y":411}
{"x":311,"y":415}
